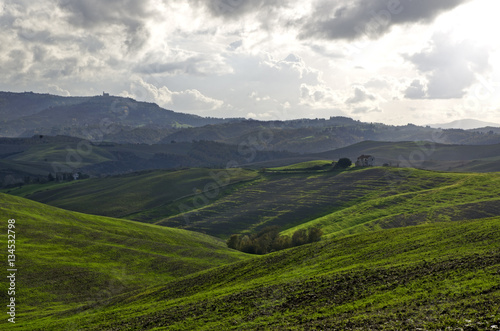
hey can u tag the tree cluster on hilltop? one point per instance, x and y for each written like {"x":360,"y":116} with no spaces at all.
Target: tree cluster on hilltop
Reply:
{"x":269,"y":240}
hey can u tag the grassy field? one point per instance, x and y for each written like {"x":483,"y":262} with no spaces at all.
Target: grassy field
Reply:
{"x":137,"y":193}
{"x":340,"y":202}
{"x":403,"y":249}
{"x":89,"y":154}
{"x":345,"y":201}
{"x":308,"y":165}
{"x":67,"y":259}
{"x":432,"y":277}
{"x":465,"y":196}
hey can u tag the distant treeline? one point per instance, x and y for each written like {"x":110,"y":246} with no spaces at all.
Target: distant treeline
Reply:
{"x":269,"y":240}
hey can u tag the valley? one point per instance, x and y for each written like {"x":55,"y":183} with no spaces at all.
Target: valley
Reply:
{"x":121,"y":232}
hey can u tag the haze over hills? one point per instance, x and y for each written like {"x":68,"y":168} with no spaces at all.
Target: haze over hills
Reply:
{"x":465,"y":124}
{"x":93,"y":118}
{"x":124,"y":120}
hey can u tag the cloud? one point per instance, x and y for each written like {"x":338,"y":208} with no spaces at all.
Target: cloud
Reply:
{"x":366,"y":110}
{"x":177,"y":61}
{"x":318,"y":96}
{"x":449,"y":66}
{"x":416,"y":90}
{"x":194,"y":100}
{"x":190,"y":100}
{"x":233,"y":9}
{"x":360,"y":95}
{"x":351,"y":20}
{"x":54,"y":89}
{"x":96,"y":15}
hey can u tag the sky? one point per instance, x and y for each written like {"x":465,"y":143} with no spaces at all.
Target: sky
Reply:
{"x":389,"y":61}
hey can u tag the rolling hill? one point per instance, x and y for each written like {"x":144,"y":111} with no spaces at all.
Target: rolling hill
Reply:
{"x":66,"y":260}
{"x":424,"y":154}
{"x":93,"y":118}
{"x":402,"y":249}
{"x":28,"y":160}
{"x":434,"y":276}
{"x":126,"y":195}
{"x":125,"y":120}
{"x":340,"y":202}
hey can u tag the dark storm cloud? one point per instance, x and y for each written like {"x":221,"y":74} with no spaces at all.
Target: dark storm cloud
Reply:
{"x":237,"y":8}
{"x":96,"y":14}
{"x":368,"y":18}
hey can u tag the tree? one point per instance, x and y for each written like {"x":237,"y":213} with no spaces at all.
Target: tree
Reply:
{"x":314,"y":234}
{"x":281,"y":242}
{"x":50,"y":177}
{"x":233,"y":241}
{"x":344,"y":163}
{"x":299,"y":237}
{"x":246,"y":245}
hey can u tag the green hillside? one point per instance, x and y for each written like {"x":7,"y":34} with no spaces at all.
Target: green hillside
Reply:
{"x":431,"y":277}
{"x":58,"y":152}
{"x":340,"y":202}
{"x":467,"y":196}
{"x":308,"y":165}
{"x":67,"y":259}
{"x":138,"y":193}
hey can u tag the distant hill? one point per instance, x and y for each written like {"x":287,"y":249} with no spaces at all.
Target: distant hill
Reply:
{"x":424,"y":154}
{"x":94,"y":118}
{"x":320,"y":135}
{"x":124,"y":120}
{"x":18,"y":105}
{"x":465,"y":124}
{"x":30,"y":160}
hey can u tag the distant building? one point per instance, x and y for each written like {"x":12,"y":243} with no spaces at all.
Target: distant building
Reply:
{"x":365,"y":161}
{"x":104,"y":94}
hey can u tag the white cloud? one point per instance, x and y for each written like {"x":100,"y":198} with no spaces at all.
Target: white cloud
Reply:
{"x":191,"y":100}
{"x":360,"y":95}
{"x":416,"y":90}
{"x":54,"y":89}
{"x":449,"y":66}
{"x":318,"y":96}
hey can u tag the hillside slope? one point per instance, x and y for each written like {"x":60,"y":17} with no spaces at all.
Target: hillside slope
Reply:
{"x":424,"y":154}
{"x":325,"y":199}
{"x":67,"y":259}
{"x":34,"y":158}
{"x":468,"y":196}
{"x":25,"y":114}
{"x":224,"y":202}
{"x":435,"y":276}
{"x":123,"y":196}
